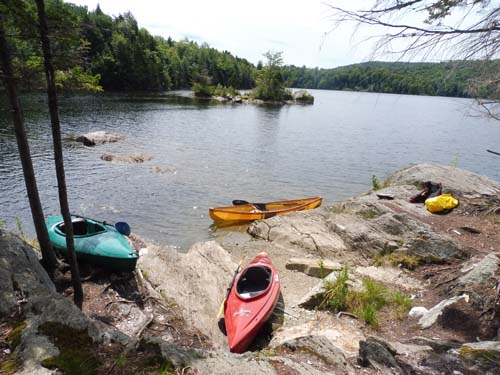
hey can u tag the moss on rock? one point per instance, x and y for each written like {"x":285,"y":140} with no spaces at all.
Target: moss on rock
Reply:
{"x":76,"y":350}
{"x":14,"y":337}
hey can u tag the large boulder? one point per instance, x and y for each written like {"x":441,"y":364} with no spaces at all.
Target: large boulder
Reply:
{"x":196,"y":281}
{"x":99,"y":138}
{"x":380,"y":355}
{"x":455,"y":180}
{"x":479,"y":272}
{"x":319,"y":347}
{"x":307,"y":230}
{"x":21,"y":274}
{"x":360,"y":229}
{"x":489,"y":350}
{"x":344,"y":332}
{"x":27,"y":293}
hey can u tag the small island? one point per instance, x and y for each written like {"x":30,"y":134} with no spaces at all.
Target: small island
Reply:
{"x":270,"y":87}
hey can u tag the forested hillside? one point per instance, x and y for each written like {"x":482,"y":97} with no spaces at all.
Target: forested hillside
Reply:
{"x":93,"y":48}
{"x":445,"y":79}
{"x":95,"y":51}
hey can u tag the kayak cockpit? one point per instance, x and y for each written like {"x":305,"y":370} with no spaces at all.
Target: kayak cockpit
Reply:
{"x":253,"y":282}
{"x":81,"y":227}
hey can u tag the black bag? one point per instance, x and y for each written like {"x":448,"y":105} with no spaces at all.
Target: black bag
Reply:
{"x":431,"y":189}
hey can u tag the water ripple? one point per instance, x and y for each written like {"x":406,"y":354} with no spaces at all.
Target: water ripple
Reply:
{"x":213,"y":153}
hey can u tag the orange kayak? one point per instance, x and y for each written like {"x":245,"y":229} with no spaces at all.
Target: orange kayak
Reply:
{"x":257,"y":211}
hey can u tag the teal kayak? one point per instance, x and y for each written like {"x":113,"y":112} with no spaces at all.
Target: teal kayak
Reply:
{"x":95,"y":243}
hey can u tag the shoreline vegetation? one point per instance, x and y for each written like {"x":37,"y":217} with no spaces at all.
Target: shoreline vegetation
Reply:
{"x":269,"y":88}
{"x":96,"y":52}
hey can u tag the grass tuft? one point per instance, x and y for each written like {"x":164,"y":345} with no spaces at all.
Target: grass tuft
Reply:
{"x":365,"y":303}
{"x":398,"y":259}
{"x":335,"y":296}
{"x":376,"y":185}
{"x":14,"y":336}
{"x":9,"y":366}
{"x":402,"y":304}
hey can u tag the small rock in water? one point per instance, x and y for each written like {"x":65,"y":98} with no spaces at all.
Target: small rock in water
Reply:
{"x":130,"y":158}
{"x":99,"y":138}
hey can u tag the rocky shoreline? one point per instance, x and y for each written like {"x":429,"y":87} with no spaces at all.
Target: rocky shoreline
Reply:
{"x":164,"y":315}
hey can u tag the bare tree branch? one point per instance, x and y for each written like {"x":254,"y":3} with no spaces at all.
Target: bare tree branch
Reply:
{"x":475,"y":34}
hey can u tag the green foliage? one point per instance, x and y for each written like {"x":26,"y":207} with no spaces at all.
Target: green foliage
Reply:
{"x":402,"y":303}
{"x":19,"y":226}
{"x":2,"y":224}
{"x":202,"y":87}
{"x":322,"y":270}
{"x":368,"y":313}
{"x":270,"y":85}
{"x":76,"y":79}
{"x":336,"y":292}
{"x":92,"y":49}
{"x":376,"y":184}
{"x":365,"y":303}
{"x":225,"y":92}
{"x":121,"y":361}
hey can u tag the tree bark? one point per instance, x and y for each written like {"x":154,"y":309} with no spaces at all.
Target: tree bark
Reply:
{"x":58,"y":153}
{"x":49,"y":260}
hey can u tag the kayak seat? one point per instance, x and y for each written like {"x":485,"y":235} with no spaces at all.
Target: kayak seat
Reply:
{"x":260,"y":206}
{"x":79,"y":227}
{"x":254,"y":281}
{"x":94,"y":228}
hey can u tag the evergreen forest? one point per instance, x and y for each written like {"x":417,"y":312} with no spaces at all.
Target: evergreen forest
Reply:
{"x":94,"y":51}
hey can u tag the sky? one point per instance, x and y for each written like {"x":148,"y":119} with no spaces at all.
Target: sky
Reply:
{"x":247,"y":28}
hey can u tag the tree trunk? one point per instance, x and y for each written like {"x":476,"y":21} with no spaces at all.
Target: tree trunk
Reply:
{"x":49,"y":260}
{"x":58,"y":154}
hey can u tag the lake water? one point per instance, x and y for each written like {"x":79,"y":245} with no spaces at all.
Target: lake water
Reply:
{"x":212,"y":153}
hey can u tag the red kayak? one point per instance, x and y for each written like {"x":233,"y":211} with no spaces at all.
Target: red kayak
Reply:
{"x":251,"y":301}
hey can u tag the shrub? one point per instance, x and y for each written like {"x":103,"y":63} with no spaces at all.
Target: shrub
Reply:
{"x":202,"y":90}
{"x":305,"y":97}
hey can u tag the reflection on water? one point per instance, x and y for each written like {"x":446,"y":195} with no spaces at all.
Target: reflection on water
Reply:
{"x":207,"y":154}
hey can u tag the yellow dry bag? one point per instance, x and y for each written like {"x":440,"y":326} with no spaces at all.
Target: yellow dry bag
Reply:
{"x":440,"y":203}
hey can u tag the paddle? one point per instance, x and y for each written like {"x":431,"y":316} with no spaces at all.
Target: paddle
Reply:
{"x":121,"y":226}
{"x":259,"y":206}
{"x":221,"y":308}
